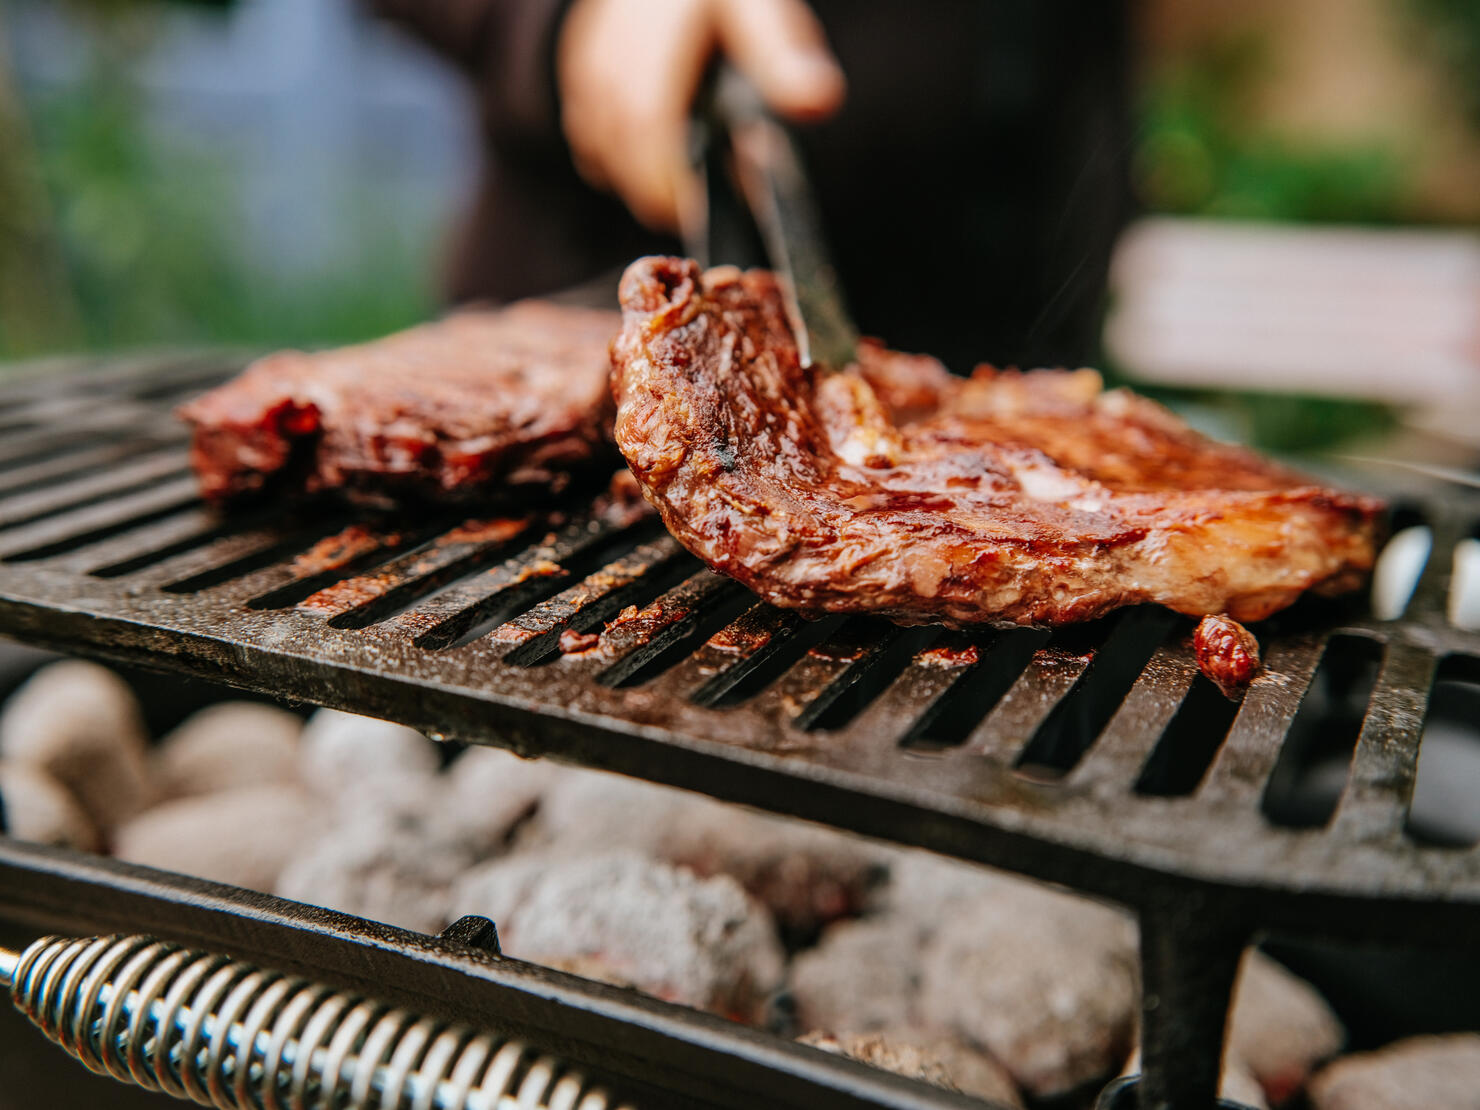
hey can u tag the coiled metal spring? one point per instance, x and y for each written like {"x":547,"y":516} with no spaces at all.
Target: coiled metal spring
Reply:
{"x":225,"y":1034}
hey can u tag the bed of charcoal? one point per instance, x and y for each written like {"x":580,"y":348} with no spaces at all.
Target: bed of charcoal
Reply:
{"x":950,"y":973}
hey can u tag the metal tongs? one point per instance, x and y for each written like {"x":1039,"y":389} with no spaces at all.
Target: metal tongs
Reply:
{"x":753,"y":174}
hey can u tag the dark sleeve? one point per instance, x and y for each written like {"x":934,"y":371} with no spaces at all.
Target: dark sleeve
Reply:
{"x":506,"y":47}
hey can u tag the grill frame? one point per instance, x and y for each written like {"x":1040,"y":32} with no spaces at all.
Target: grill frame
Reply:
{"x":1204,"y":872}
{"x":705,"y":1062}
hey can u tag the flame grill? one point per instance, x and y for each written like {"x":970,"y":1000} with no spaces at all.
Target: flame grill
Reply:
{"x":1095,"y":757}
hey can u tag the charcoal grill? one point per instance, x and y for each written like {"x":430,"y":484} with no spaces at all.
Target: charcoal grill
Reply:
{"x":1095,"y":758}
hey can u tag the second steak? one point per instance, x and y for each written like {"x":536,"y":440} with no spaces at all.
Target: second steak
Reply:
{"x":448,"y":411}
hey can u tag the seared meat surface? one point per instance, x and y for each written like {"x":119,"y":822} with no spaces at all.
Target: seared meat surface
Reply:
{"x":1227,"y":653}
{"x":448,"y":411}
{"x":893,"y":488}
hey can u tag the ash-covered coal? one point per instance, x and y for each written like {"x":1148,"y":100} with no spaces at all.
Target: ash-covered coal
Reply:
{"x":949,"y":973}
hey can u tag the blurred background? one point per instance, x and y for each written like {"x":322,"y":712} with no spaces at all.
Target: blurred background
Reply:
{"x":270,"y":172}
{"x":261,"y":172}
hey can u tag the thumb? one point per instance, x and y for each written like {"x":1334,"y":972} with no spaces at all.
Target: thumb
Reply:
{"x":780,"y":46}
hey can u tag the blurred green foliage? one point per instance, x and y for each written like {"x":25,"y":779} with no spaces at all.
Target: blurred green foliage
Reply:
{"x":1455,"y":34}
{"x":1291,"y":423}
{"x":1198,"y":156}
{"x":147,"y":232}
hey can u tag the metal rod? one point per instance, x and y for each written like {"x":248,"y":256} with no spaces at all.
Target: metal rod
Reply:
{"x":1190,"y":953}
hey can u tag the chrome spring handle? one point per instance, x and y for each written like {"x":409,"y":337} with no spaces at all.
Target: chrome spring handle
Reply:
{"x":225,"y":1034}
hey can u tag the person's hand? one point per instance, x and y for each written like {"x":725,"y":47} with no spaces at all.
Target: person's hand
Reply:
{"x":628,"y":72}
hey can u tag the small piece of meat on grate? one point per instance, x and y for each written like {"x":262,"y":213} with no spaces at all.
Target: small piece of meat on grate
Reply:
{"x":892,"y":488}
{"x":934,"y":1059}
{"x":1227,"y":653}
{"x":573,"y":641}
{"x":449,"y":411}
{"x":1423,"y":1073}
{"x":635,"y":922}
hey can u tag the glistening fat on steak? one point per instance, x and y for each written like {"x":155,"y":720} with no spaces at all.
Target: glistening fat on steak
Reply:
{"x":891,"y":487}
{"x":448,"y":411}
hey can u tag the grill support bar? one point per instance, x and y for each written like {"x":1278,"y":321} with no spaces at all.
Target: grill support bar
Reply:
{"x":1190,"y":954}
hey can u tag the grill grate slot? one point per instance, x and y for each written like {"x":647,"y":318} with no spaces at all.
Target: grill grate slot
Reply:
{"x":634,"y":579}
{"x":1052,"y":671}
{"x":1379,"y":788}
{"x":1464,"y":585}
{"x":331,"y":567}
{"x":1142,"y":728}
{"x":126,"y":377}
{"x":1400,"y":563}
{"x":1074,"y":722}
{"x":1431,"y":594}
{"x":1244,"y":762}
{"x":237,"y":555}
{"x":72,"y":464}
{"x":113,"y":423}
{"x":183,"y":388}
{"x":963,"y":708}
{"x":136,"y":477}
{"x":1187,"y":747}
{"x":160,"y":549}
{"x":470,"y":609}
{"x":848,"y":641}
{"x":742,"y":659}
{"x":866,"y":677}
{"x":170,"y":536}
{"x":82,"y":527}
{"x":654,"y":638}
{"x":400,"y":581}
{"x":883,"y":725}
{"x":1314,"y":763}
{"x":50,"y":446}
{"x":1445,"y":812}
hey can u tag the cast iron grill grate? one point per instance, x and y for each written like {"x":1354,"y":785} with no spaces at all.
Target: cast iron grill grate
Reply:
{"x":1094,"y":757}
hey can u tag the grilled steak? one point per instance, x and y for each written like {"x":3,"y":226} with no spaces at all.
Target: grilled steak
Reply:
{"x":894,"y":488}
{"x":447,"y":411}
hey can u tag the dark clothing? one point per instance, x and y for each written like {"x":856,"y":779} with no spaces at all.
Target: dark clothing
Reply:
{"x":971,"y":186}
